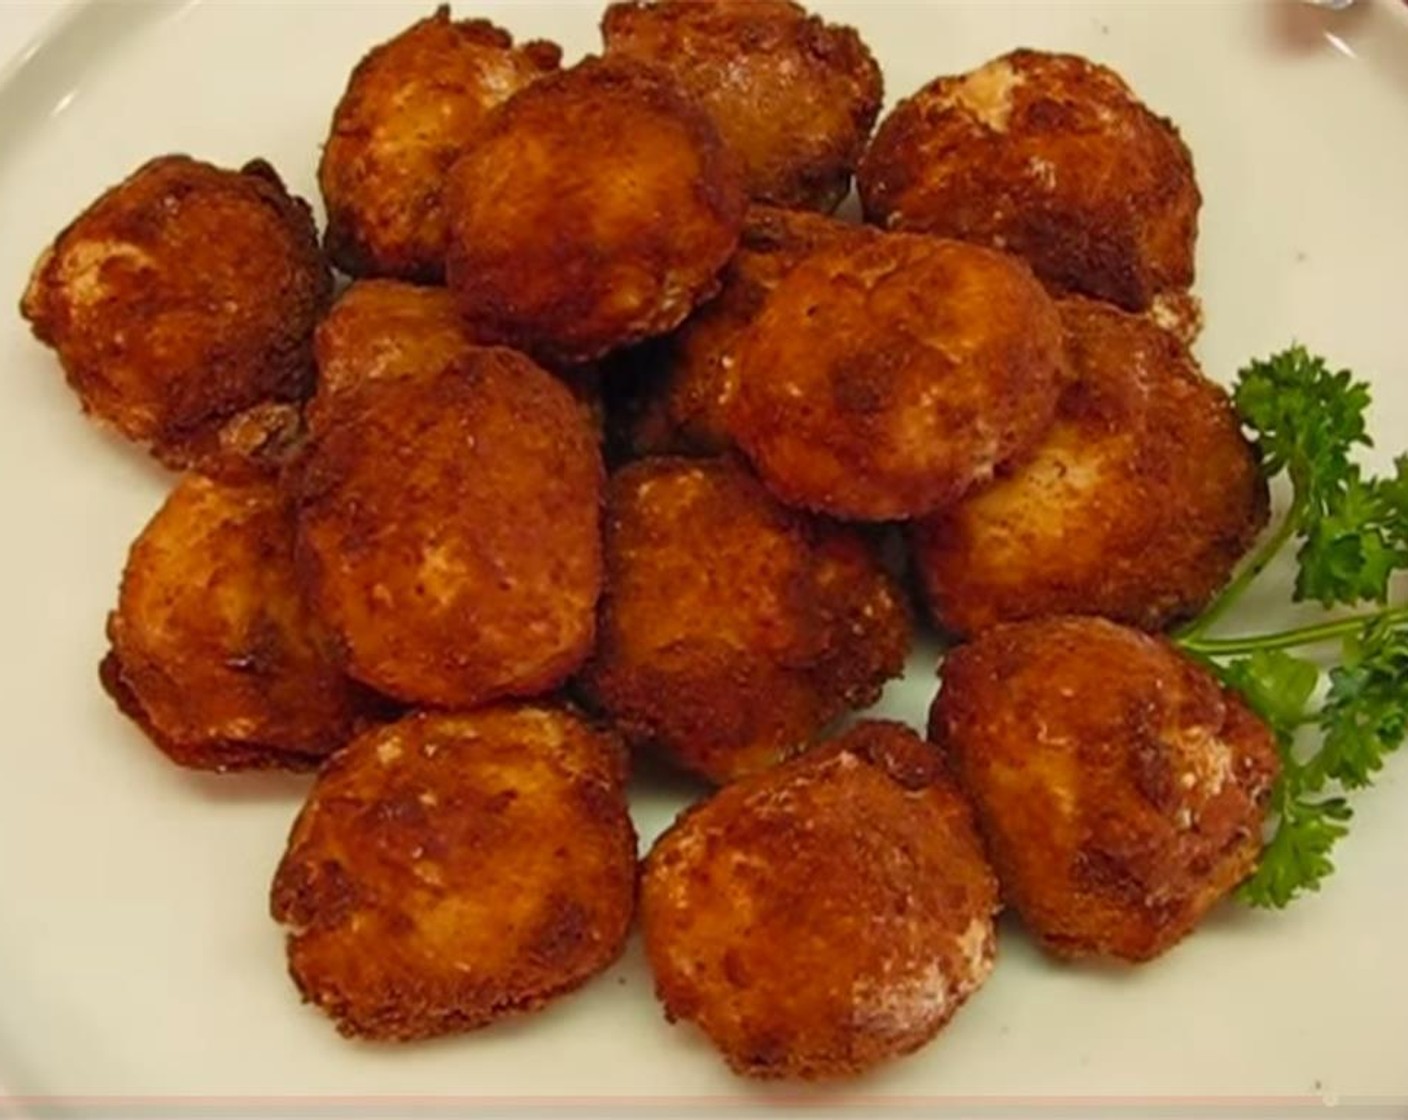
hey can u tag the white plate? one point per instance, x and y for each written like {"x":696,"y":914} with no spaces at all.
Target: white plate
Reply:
{"x":136,"y":957}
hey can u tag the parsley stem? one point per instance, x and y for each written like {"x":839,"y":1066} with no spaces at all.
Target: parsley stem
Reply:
{"x":1189,"y":634}
{"x":1285,"y":639}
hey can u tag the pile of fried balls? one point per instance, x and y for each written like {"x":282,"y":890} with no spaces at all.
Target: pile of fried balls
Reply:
{"x":609,"y":444}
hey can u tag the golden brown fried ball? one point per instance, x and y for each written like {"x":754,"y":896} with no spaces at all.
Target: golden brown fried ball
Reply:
{"x":449,"y":870}
{"x":732,"y":629}
{"x":182,"y":299}
{"x":213,"y":653}
{"x":411,"y":108}
{"x":827,"y":915}
{"x":449,"y":532}
{"x":596,"y":209}
{"x":1136,"y":505}
{"x":885,"y":379}
{"x":683,"y":407}
{"x":1049,"y":156}
{"x":1119,"y":787}
{"x":793,"y":97}
{"x":382,"y":330}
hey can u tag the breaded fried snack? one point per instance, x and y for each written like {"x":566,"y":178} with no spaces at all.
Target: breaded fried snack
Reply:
{"x":733,"y":629}
{"x":682,"y":407}
{"x":1048,"y":156}
{"x":181,"y":301}
{"x":793,"y":97}
{"x":449,"y":532}
{"x":1120,"y":788}
{"x":825,"y":916}
{"x":885,"y":379}
{"x":383,"y":330}
{"x":213,"y":653}
{"x":595,"y":209}
{"x":1136,"y":505}
{"x":411,"y":107}
{"x":450,"y":870}
{"x":380,"y":331}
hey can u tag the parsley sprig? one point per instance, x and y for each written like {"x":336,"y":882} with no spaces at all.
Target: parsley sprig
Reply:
{"x":1352,"y":534}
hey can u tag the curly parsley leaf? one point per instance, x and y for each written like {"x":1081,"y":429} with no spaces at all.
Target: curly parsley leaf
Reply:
{"x":1353,"y":544}
{"x":1365,"y":716}
{"x":1362,"y":720}
{"x":1308,"y":420}
{"x":1352,"y":529}
{"x":1297,"y":857}
{"x":1277,"y":685}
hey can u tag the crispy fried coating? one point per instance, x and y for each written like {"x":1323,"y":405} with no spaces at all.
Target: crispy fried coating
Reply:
{"x":1136,"y":505}
{"x":793,"y":97}
{"x":449,"y":870}
{"x":682,"y":407}
{"x":382,"y":330}
{"x":213,"y":652}
{"x":182,"y":298}
{"x":411,"y":108}
{"x":1049,"y":156}
{"x":595,"y":209}
{"x":379,"y":331}
{"x":885,"y":379}
{"x":827,"y":915}
{"x":1120,"y":789}
{"x":449,"y":532}
{"x":732,"y":629}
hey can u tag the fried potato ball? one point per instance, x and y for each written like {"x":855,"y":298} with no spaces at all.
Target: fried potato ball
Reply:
{"x":683,"y":408}
{"x":411,"y":108}
{"x":1120,"y":789}
{"x":449,"y":870}
{"x":182,"y":298}
{"x":793,"y":97}
{"x":595,"y":209}
{"x":449,"y":532}
{"x":1049,"y":156}
{"x":825,"y":916}
{"x":732,"y":629}
{"x":885,"y":379}
{"x":213,"y":653}
{"x":1136,"y":505}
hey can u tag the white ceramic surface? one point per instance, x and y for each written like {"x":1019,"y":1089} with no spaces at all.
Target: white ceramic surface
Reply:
{"x":20,"y":23}
{"x":136,"y":957}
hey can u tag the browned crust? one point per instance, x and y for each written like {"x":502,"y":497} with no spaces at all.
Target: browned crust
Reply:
{"x":450,"y":870}
{"x":384,"y":330}
{"x":556,"y":245}
{"x":1073,"y":173}
{"x":411,"y":108}
{"x":885,"y":379}
{"x":220,"y":755}
{"x":213,"y":653}
{"x":1120,"y":789}
{"x":379,"y":331}
{"x":449,"y":532}
{"x":793,"y":96}
{"x":181,"y":298}
{"x":733,"y":630}
{"x":682,"y":406}
{"x":825,"y":916}
{"x":1136,"y":505}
